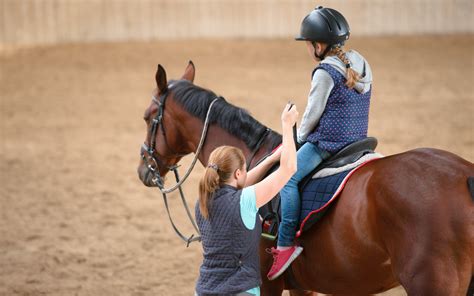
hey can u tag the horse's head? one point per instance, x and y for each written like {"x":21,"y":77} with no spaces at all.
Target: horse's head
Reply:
{"x":164,"y":145}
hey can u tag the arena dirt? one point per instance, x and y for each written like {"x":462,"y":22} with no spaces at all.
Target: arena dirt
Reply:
{"x":75,"y":219}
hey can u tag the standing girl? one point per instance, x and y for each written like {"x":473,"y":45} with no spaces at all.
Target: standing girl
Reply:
{"x":336,"y":115}
{"x":227,"y":214}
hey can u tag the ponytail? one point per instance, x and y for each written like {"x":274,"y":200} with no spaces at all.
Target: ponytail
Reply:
{"x":222,"y":164}
{"x":207,"y":186}
{"x":352,"y":77}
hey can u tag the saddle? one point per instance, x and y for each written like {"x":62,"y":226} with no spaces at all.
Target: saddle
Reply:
{"x":270,"y":212}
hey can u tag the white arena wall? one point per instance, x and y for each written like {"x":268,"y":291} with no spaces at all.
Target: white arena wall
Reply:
{"x":26,"y":22}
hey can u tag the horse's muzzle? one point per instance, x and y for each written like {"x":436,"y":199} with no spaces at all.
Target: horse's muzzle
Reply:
{"x":145,"y":175}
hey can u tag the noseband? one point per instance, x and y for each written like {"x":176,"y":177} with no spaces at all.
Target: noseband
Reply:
{"x":153,"y":163}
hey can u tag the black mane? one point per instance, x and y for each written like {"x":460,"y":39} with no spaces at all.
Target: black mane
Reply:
{"x":237,"y":121}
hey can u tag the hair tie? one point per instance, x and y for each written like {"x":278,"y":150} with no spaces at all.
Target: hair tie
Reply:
{"x":348,"y":65}
{"x":213,"y":166}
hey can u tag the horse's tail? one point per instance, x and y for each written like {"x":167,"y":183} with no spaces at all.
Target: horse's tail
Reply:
{"x":470,"y":290}
{"x":470,"y":184}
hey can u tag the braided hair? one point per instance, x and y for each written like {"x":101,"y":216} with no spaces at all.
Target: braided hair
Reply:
{"x":352,"y":76}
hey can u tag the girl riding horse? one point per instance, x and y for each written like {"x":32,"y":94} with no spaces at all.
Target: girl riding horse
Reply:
{"x":336,"y":115}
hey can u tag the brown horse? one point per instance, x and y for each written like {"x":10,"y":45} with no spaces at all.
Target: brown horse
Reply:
{"x":404,"y":219}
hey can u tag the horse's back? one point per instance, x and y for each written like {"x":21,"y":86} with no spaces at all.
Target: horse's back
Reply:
{"x":443,"y":161}
{"x":432,"y":176}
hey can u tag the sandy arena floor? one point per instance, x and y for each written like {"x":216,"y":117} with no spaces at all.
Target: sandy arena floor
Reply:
{"x":75,"y":219}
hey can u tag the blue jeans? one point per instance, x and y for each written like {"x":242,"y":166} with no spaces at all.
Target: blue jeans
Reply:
{"x":308,"y":158}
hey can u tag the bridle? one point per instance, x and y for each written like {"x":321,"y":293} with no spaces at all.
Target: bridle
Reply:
{"x":154,"y":163}
{"x":154,"y":166}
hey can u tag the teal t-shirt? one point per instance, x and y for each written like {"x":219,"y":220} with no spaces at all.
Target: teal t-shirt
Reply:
{"x":248,"y":213}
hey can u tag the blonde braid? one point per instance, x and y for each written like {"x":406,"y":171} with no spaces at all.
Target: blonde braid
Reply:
{"x":352,"y":76}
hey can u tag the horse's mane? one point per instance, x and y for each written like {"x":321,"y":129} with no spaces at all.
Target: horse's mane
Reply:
{"x":237,"y":121}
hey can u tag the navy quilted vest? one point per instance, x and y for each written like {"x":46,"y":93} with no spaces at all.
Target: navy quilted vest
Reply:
{"x":231,"y":260}
{"x":345,"y":118}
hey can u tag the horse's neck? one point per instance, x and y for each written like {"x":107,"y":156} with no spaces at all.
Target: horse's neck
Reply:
{"x":216,"y":137}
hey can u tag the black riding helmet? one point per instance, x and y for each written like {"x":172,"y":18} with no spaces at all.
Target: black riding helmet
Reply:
{"x":325,"y":25}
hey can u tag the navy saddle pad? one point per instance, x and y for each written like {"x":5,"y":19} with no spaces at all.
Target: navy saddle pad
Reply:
{"x":315,"y":196}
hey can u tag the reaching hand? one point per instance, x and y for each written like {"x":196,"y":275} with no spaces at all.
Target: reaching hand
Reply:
{"x":289,"y":116}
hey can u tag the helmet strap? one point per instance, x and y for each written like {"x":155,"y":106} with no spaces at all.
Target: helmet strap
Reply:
{"x":325,"y":52}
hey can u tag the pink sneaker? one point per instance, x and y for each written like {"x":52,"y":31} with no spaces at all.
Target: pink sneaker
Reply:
{"x":282,"y":259}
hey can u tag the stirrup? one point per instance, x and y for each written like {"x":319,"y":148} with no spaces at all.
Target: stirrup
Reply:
{"x":273,"y":224}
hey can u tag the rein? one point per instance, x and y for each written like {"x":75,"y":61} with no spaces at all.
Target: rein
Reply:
{"x":259,"y":144}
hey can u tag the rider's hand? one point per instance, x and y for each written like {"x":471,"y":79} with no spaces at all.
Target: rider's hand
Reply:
{"x":289,"y":116}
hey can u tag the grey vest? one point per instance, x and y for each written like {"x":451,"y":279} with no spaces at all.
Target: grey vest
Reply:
{"x":231,"y":260}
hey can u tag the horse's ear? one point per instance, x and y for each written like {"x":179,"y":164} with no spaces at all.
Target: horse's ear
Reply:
{"x":161,"y":81}
{"x":189,"y":72}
